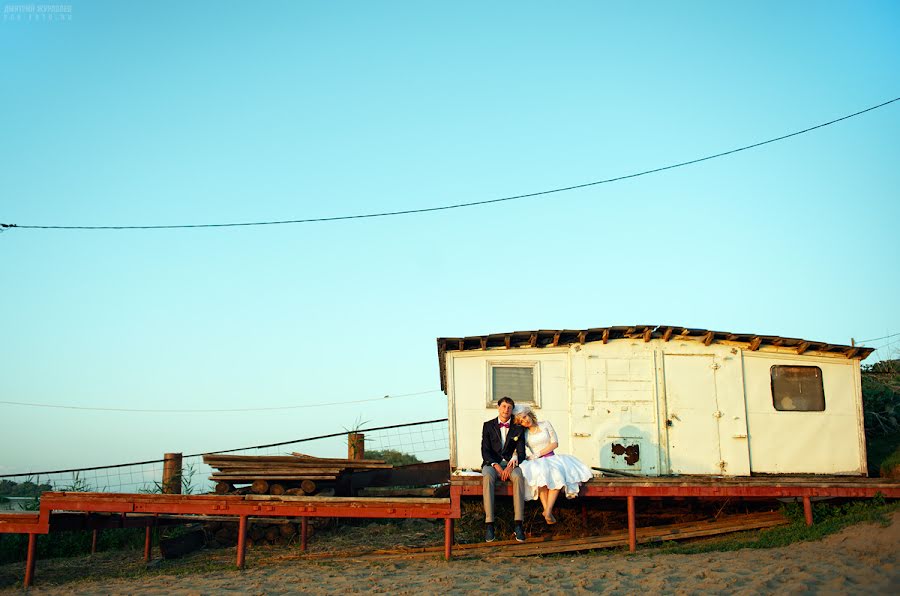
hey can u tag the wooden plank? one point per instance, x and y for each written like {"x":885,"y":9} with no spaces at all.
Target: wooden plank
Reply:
{"x":667,"y":335}
{"x":755,"y":343}
{"x":647,"y":333}
{"x":385,"y":502}
{"x":296,"y":458}
{"x":249,"y":479}
{"x":605,"y":337}
{"x":708,"y":338}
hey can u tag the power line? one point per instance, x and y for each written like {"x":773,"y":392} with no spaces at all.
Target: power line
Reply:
{"x":862,"y":341}
{"x":195,"y":411}
{"x":279,"y":444}
{"x":3,"y":227}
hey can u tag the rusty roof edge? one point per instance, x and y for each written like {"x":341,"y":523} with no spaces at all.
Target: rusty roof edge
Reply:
{"x":451,"y":344}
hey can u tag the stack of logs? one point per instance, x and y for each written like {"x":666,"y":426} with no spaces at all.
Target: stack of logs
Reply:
{"x":296,"y":474}
{"x":260,"y":532}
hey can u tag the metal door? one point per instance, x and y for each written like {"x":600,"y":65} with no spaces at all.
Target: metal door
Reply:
{"x":692,"y":414}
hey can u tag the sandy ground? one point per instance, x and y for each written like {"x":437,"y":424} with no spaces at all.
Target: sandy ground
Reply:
{"x":860,"y":559}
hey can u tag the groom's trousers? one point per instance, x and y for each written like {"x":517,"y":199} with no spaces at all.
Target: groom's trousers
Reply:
{"x":490,"y":478}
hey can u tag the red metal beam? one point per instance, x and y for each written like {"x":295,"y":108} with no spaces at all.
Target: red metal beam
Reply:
{"x":709,"y":490}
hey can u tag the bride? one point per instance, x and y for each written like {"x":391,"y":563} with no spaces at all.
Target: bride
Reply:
{"x":546,"y":472}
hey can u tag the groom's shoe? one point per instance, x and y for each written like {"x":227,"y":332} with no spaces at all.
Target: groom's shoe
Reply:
{"x":520,"y":533}
{"x":489,"y":533}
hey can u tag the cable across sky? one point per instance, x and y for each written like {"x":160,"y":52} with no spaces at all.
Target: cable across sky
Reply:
{"x":208,"y":411}
{"x":5,"y":226}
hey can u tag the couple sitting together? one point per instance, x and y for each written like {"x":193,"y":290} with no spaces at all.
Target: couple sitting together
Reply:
{"x":542,"y":474}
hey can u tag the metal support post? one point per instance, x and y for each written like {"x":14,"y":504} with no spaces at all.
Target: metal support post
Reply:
{"x":448,"y":538}
{"x":807,"y":511}
{"x":29,"y":560}
{"x":632,"y":526}
{"x":94,"y":541}
{"x":147,"y":534}
{"x":242,"y":541}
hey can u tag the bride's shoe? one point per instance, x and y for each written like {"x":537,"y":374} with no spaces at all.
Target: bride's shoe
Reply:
{"x":548,"y":517}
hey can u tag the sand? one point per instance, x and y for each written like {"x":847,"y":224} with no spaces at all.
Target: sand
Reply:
{"x":860,"y":559}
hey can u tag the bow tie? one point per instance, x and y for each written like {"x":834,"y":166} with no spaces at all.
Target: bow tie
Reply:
{"x":504,"y":425}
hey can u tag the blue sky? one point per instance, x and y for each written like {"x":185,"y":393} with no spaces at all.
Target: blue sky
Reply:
{"x":149,"y":113}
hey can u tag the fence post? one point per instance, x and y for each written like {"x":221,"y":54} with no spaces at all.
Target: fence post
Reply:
{"x":356,"y":446}
{"x":171,"y":479}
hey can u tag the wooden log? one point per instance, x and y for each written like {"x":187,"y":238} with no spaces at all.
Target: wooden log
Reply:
{"x":223,"y":488}
{"x":356,"y":446}
{"x":259,"y":487}
{"x":256,"y":532}
{"x":178,"y":546}
{"x":276,"y":489}
{"x":226,"y":536}
{"x":295,"y":492}
{"x":171,"y":476}
{"x":308,"y":487}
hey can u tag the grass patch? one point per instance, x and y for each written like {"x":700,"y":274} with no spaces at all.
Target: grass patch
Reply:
{"x":829,"y":518}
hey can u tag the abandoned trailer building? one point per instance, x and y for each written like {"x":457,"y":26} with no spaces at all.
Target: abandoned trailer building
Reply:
{"x":664,"y":400}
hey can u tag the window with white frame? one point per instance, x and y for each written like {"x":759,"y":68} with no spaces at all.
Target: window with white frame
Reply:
{"x":517,"y":380}
{"x":797,"y":389}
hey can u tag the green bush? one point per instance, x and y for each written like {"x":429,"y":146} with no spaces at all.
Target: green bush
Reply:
{"x":393,"y":457}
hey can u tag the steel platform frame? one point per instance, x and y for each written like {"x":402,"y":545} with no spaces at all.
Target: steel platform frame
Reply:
{"x":144,"y":509}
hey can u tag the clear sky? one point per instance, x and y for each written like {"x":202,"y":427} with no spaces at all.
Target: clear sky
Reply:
{"x":148,"y":113}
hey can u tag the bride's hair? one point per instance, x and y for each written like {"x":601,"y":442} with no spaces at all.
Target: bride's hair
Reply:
{"x":526,"y":414}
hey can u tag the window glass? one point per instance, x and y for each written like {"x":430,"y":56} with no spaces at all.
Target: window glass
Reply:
{"x":797,"y":389}
{"x":516,"y":382}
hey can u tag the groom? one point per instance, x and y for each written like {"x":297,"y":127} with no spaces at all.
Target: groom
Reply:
{"x":502,"y":448}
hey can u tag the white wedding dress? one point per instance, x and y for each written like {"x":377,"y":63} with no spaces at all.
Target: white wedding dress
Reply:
{"x":553,"y":471}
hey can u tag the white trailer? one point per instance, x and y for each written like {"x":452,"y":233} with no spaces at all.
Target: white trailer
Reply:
{"x":664,"y":400}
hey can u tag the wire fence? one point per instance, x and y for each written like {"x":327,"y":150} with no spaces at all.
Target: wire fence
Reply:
{"x":427,"y":440}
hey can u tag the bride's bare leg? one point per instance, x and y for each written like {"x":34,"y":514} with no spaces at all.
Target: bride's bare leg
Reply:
{"x":542,"y":495}
{"x":551,"y":501}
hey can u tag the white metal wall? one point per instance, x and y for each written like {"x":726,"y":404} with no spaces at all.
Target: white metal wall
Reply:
{"x":828,"y":442}
{"x":680,"y":402}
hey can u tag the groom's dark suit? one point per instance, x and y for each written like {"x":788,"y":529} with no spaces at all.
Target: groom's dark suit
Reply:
{"x":494,"y":451}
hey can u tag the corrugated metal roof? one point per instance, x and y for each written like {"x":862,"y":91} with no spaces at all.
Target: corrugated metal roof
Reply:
{"x":562,"y":337}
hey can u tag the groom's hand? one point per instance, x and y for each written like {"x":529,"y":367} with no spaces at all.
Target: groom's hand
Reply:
{"x":504,"y":475}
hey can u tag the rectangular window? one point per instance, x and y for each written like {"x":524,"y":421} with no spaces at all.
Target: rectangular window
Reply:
{"x":518,"y":381}
{"x":797,"y":389}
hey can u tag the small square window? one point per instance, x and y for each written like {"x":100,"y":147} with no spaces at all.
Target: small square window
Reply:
{"x":797,"y":389}
{"x":518,"y":381}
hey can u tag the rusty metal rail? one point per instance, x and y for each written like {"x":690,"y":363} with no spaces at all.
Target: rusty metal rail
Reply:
{"x":799,"y":487}
{"x":147,"y":506}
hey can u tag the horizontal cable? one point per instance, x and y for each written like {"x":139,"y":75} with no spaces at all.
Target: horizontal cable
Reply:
{"x":156,"y":461}
{"x":457,"y":205}
{"x":207,"y":411}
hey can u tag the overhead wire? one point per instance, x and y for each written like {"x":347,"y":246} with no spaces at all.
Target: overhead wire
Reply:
{"x":215,"y":410}
{"x":862,"y":341}
{"x":458,"y":205}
